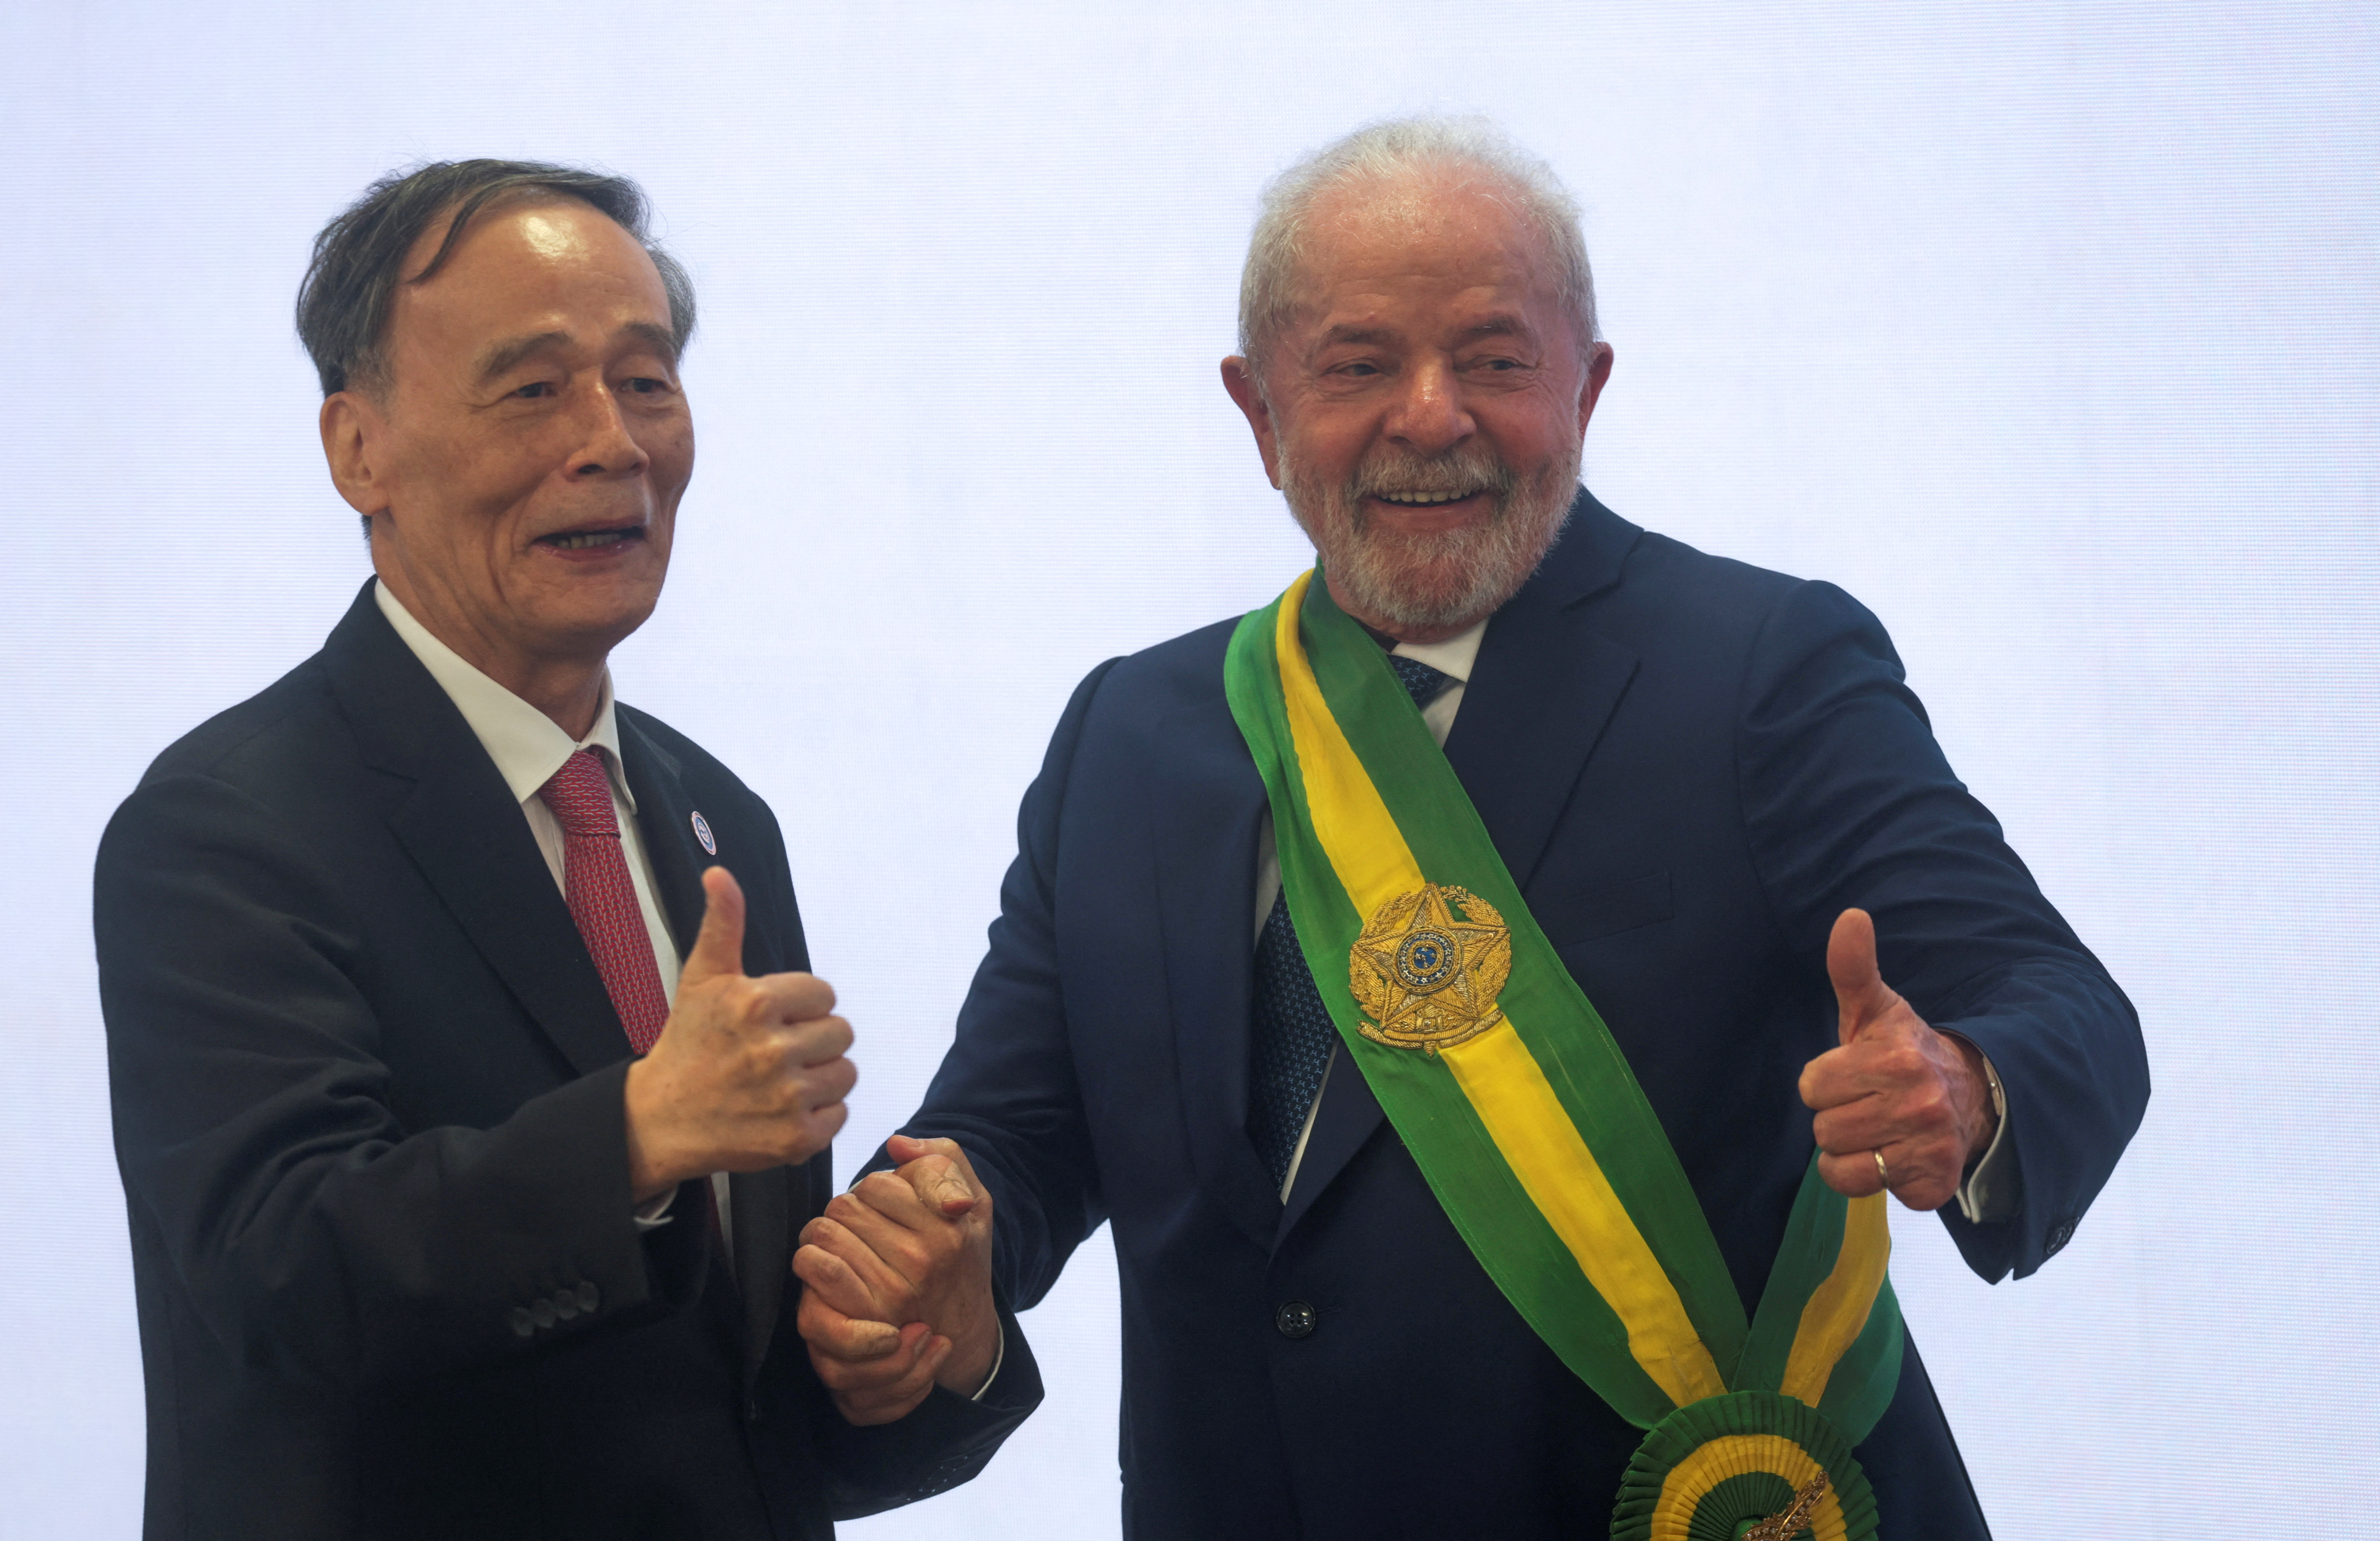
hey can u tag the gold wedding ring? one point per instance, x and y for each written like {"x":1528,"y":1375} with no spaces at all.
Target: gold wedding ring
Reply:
{"x":1882,"y":1176}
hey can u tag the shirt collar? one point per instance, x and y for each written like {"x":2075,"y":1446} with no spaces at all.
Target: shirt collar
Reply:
{"x":1452,"y":657}
{"x":524,"y":742}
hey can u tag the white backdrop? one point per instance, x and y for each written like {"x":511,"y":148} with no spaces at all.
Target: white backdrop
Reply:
{"x":2047,"y":329}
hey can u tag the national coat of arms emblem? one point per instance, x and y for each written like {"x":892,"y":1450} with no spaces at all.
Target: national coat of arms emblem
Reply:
{"x":1427,"y":969}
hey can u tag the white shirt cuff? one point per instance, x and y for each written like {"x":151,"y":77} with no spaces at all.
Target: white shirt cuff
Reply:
{"x":1990,"y":1192}
{"x":999,"y":1357}
{"x":653,"y":1213}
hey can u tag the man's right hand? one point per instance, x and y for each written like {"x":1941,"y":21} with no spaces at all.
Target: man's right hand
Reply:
{"x":748,"y":1074}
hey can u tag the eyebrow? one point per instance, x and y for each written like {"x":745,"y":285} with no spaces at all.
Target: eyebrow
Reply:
{"x":660,"y":339}
{"x":1497,"y":326}
{"x":501,"y":358}
{"x":1360,"y":336}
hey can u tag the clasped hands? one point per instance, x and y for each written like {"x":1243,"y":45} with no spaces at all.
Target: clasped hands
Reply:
{"x":751,"y":1073}
{"x":896,"y":1278}
{"x":1893,"y":1087}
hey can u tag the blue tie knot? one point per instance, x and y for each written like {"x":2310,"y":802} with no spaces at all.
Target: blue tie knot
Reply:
{"x":1422,"y":683}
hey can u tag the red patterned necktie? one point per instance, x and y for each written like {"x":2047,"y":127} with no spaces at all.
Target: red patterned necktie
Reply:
{"x":602,"y":900}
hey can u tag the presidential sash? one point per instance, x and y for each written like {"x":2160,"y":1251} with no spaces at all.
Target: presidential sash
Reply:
{"x":1530,"y":1128}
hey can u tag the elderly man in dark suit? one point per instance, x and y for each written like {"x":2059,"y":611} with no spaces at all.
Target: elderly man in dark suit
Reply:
{"x":1730,"y":827}
{"x":466,"y":1119}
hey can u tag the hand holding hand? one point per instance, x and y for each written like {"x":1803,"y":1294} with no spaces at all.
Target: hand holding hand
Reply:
{"x":897,"y":1284}
{"x":1895,"y":1087}
{"x":748,"y":1074}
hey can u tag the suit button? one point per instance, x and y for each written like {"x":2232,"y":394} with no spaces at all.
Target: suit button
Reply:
{"x":1296,"y":1319}
{"x":588,"y":1296}
{"x":2059,"y":1234}
{"x":566,"y":1304}
{"x":541,"y":1312}
{"x":522,"y":1323}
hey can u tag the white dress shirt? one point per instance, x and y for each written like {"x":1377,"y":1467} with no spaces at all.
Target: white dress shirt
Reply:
{"x":528,"y":747}
{"x":1982,"y":1196}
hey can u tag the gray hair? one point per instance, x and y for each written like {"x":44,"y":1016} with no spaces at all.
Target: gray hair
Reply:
{"x":1393,"y":153}
{"x":350,"y":286}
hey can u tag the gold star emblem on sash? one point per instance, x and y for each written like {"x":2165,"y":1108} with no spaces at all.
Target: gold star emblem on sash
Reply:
{"x":1428,"y":968}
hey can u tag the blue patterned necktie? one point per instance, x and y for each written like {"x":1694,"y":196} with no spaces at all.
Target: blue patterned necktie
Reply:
{"x":1290,"y":1046}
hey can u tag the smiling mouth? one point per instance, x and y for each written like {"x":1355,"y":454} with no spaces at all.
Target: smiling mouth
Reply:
{"x":587,"y":540}
{"x":1428,"y":499}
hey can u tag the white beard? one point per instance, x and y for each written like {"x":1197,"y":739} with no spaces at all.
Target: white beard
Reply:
{"x":1451,"y":579}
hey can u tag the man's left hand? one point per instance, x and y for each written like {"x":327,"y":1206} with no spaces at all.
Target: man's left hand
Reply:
{"x":1895,"y":1087}
{"x":901,"y":1248}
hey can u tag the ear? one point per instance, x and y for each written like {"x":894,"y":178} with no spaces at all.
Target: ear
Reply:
{"x":1598,"y":370}
{"x":1241,"y":382}
{"x":352,"y":439}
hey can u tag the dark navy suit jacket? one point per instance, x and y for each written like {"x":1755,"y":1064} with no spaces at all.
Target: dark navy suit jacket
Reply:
{"x":367,"y":1089}
{"x":1691,"y":766}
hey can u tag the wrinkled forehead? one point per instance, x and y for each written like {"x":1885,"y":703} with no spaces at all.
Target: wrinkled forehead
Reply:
{"x":554,"y":268}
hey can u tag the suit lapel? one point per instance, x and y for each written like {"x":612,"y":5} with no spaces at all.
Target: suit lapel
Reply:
{"x":1539,"y":693}
{"x":1346,"y":1119}
{"x":1537,"y":700}
{"x":466,"y":833}
{"x":1208,"y":803}
{"x":1541,"y":690}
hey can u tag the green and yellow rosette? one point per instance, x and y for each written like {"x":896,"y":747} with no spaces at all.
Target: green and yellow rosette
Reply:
{"x":1530,"y":1127}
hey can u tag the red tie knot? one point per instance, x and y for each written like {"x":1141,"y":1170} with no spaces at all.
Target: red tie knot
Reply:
{"x":580,"y":797}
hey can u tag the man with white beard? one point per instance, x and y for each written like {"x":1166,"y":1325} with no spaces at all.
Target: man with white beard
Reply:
{"x":1458,"y":981}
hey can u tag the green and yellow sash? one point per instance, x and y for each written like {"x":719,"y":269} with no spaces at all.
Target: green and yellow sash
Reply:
{"x":1530,"y":1127}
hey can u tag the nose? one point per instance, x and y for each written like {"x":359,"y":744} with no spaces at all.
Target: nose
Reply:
{"x":607,"y":447}
{"x":1426,"y":414}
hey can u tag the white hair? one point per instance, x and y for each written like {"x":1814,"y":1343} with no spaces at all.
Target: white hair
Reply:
{"x":1386,"y":158}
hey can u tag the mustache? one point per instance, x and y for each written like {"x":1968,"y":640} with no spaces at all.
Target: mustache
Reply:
{"x":1467,"y":468}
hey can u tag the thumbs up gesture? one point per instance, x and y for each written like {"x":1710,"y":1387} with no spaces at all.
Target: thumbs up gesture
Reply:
{"x":1894,"y":1088}
{"x":748,"y":1074}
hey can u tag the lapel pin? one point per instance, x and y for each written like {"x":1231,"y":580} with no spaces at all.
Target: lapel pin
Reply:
{"x":702,"y":834}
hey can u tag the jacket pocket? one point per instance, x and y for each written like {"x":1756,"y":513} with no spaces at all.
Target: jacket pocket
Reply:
{"x":1604,"y":910}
